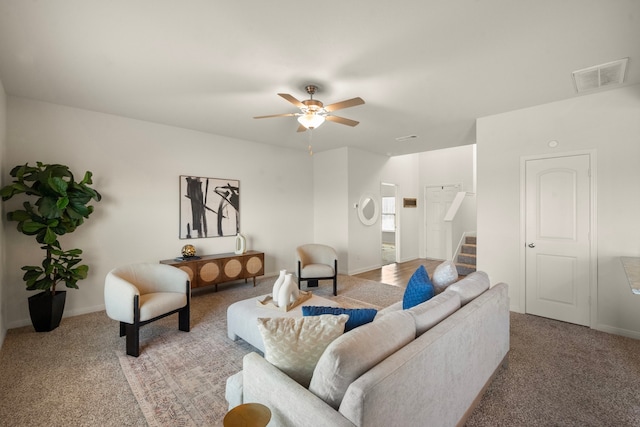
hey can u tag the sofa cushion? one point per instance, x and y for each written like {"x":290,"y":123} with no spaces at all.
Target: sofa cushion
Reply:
{"x":354,"y":353}
{"x":357,"y":316}
{"x":419,"y":289}
{"x":444,"y":275}
{"x":294,"y":344}
{"x":471,"y":286}
{"x":430,"y":313}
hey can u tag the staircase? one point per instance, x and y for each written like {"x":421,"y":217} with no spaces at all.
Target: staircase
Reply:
{"x":466,"y":262}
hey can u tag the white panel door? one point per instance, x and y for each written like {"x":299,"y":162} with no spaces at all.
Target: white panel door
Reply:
{"x":557,"y":237}
{"x":437,"y":202}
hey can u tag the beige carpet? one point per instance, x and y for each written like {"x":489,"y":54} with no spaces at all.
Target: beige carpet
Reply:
{"x":180,"y":378}
{"x":559,"y":374}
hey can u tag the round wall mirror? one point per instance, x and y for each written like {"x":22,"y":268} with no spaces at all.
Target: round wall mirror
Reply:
{"x":368,"y":210}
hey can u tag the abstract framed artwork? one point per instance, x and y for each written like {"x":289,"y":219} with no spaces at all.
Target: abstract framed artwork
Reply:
{"x":209,"y":207}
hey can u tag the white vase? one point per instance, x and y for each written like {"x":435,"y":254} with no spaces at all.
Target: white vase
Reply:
{"x":296,"y":290}
{"x":288,"y":288}
{"x":276,"y":286}
{"x":241,"y":244}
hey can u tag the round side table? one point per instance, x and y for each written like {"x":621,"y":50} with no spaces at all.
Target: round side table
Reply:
{"x":248,"y":415}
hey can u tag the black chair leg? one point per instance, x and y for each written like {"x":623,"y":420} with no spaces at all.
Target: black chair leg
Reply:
{"x":123,"y":329}
{"x":335,"y":278}
{"x":133,"y":340}
{"x":183,"y":319}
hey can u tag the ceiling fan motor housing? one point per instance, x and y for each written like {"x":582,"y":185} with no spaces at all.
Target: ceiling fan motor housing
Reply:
{"x":313,"y":104}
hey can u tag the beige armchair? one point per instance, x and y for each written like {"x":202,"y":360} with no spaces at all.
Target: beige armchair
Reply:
{"x":317,"y":262}
{"x":138,"y":294}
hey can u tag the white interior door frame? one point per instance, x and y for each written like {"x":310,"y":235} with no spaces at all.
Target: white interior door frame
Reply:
{"x":593,"y":261}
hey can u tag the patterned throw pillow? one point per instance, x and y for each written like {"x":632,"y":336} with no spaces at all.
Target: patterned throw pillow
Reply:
{"x":419,"y":289}
{"x":294,"y":344}
{"x":357,"y":316}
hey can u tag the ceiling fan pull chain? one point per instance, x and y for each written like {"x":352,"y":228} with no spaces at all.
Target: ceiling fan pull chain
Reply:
{"x":310,"y":138}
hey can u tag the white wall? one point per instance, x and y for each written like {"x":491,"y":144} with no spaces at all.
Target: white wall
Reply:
{"x":330,"y":203}
{"x":445,"y":167}
{"x":606,"y":122}
{"x":3,"y":264}
{"x":341,"y":177}
{"x":136,"y":167}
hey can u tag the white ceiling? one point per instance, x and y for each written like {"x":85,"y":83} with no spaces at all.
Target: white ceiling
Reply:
{"x":423,"y":67}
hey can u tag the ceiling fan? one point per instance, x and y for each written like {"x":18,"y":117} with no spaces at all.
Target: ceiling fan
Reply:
{"x":313,"y":113}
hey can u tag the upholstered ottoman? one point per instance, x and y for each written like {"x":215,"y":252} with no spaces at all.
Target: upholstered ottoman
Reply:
{"x":242,"y":317}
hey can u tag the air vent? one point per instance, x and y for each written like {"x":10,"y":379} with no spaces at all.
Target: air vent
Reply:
{"x":406,"y":138}
{"x":611,"y":73}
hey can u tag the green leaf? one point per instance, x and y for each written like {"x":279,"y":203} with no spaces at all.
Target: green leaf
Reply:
{"x":62,"y":203}
{"x":48,"y":207}
{"x":50,"y":236}
{"x":19,"y":215}
{"x":58,"y":185}
{"x":87,"y":178}
{"x":32,"y":227}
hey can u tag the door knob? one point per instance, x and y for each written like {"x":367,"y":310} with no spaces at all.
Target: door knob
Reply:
{"x":532,"y":245}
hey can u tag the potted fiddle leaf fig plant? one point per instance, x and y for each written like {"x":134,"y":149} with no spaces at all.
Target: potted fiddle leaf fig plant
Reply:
{"x":56,"y":205}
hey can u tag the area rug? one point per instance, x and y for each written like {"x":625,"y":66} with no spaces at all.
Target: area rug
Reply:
{"x":179,"y":378}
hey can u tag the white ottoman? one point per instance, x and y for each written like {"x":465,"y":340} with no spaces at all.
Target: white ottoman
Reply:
{"x":242,"y":317}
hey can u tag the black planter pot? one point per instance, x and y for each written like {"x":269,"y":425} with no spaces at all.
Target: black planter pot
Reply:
{"x":46,"y":310}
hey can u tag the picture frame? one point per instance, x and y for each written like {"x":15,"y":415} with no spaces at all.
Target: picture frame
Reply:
{"x":209,"y":207}
{"x":409,"y":202}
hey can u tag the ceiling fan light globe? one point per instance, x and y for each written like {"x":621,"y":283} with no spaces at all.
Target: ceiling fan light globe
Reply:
{"x":310,"y":120}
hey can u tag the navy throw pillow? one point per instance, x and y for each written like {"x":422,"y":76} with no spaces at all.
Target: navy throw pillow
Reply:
{"x":357,"y":316}
{"x":419,"y":289}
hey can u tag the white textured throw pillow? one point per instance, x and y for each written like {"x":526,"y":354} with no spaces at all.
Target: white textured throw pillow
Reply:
{"x":444,"y":275}
{"x":294,"y":344}
{"x":354,"y":353}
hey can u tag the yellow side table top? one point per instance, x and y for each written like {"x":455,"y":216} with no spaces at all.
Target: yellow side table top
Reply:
{"x":248,"y":415}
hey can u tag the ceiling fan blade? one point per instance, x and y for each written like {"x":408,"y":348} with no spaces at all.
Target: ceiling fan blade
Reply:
{"x":344,"y":104}
{"x":342,"y":120}
{"x":292,"y":100}
{"x":276,"y":115}
{"x":301,"y":128}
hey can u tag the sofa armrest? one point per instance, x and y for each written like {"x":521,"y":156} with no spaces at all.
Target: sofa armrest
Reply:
{"x":289,"y":402}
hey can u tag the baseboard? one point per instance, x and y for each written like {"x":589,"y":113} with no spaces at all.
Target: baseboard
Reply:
{"x":67,"y":313}
{"x":618,"y":331}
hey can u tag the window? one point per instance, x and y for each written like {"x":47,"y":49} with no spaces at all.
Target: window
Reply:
{"x":388,"y":214}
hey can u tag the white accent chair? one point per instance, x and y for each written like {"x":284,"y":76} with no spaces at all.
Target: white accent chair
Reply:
{"x":317,"y":262}
{"x":138,"y":294}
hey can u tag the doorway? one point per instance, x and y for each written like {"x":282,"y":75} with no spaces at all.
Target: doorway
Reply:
{"x":389,"y":224}
{"x":438,"y":199}
{"x":558,"y":249}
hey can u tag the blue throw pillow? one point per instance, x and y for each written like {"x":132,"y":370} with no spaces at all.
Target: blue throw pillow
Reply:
{"x":419,"y":289}
{"x":357,"y":316}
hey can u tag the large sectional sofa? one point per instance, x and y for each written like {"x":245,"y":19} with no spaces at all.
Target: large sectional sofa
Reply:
{"x":424,"y":366}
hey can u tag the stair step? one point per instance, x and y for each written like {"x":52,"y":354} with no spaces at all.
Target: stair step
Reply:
{"x":467,"y":248}
{"x":467,"y":259}
{"x":472,"y":240}
{"x":465,"y":269}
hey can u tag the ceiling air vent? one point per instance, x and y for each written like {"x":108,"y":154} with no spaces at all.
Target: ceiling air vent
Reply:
{"x":611,"y":73}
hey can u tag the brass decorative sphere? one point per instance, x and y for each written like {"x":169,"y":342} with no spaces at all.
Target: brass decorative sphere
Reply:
{"x":188,"y":250}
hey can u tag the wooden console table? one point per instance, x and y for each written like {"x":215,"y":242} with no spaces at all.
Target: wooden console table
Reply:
{"x":219,"y":268}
